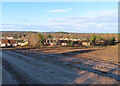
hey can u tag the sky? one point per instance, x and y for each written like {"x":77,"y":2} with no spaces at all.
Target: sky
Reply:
{"x":78,"y":17}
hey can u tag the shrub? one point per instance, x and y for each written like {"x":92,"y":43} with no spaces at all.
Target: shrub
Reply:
{"x":106,"y":42}
{"x":70,"y":44}
{"x":92,"y":39}
{"x":36,"y":39}
{"x":26,"y":43}
{"x":112,"y":40}
{"x":119,"y":37}
{"x":98,"y":40}
{"x":42,"y":38}
{"x":48,"y":36}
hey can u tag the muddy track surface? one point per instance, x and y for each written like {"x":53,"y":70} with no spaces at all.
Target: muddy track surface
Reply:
{"x":29,"y":70}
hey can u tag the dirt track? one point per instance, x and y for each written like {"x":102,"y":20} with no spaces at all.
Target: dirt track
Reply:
{"x":29,"y":70}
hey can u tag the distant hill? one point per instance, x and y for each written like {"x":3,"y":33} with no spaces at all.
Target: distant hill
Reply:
{"x":61,"y":32}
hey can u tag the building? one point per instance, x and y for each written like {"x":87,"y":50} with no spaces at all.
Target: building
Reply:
{"x":14,"y":45}
{"x":23,"y":44}
{"x":86,"y":43}
{"x":5,"y":43}
{"x":53,"y":43}
{"x":64,"y":44}
{"x":10,"y":38}
{"x":12,"y":41}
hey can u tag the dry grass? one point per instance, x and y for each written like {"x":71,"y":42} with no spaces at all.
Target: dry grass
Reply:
{"x":109,"y":53}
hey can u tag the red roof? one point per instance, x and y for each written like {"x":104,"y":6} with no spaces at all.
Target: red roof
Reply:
{"x":12,"y":41}
{"x":5,"y":41}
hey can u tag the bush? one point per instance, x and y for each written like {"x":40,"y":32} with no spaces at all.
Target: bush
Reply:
{"x":26,"y":43}
{"x":36,"y":40}
{"x":48,"y":36}
{"x":92,"y":39}
{"x":119,"y":37}
{"x":112,"y":40}
{"x":106,"y":42}
{"x":70,"y":44}
{"x":98,"y":40}
{"x":42,"y":38}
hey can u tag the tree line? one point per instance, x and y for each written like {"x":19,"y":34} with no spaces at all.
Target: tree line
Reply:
{"x":98,"y":40}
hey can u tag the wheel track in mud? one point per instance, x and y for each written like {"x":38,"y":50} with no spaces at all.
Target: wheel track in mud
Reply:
{"x":13,"y":71}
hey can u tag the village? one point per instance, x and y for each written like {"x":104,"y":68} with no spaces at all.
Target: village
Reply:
{"x":36,"y":40}
{"x":12,"y":42}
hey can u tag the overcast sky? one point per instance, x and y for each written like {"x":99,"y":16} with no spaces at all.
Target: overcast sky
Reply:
{"x":80,"y":17}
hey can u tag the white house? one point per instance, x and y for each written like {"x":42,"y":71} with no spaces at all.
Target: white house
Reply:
{"x":63,"y":44}
{"x":23,"y":44}
{"x":8,"y":44}
{"x":53,"y":43}
{"x":14,"y":45}
{"x":10,"y":38}
{"x":86,"y":43}
{"x":3,"y":45}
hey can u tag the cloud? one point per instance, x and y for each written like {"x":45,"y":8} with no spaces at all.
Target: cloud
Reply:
{"x":2,"y":26}
{"x":78,"y":27}
{"x":30,"y":20}
{"x":19,"y":27}
{"x":103,"y":22}
{"x":77,"y":20}
{"x":102,"y":13}
{"x":54,"y":11}
{"x":104,"y":16}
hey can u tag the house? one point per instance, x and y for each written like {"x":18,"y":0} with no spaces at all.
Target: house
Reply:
{"x":23,"y":44}
{"x":5,"y":43}
{"x":61,"y":38}
{"x":3,"y":38}
{"x":116,"y":41}
{"x":54,"y":38}
{"x":14,"y":45}
{"x":19,"y":43}
{"x":48,"y":41}
{"x":8,"y":43}
{"x":53,"y":43}
{"x":74,"y":40}
{"x":64,"y":44}
{"x":66,"y":39}
{"x":12,"y":41}
{"x":0,"y":42}
{"x":10,"y":38}
{"x":86,"y":43}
